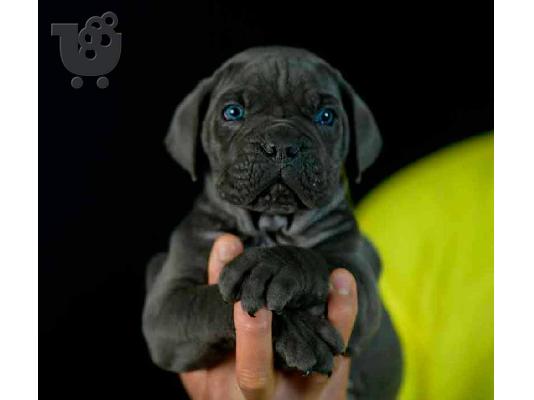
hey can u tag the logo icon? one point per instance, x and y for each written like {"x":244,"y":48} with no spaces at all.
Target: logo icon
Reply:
{"x":93,"y":51}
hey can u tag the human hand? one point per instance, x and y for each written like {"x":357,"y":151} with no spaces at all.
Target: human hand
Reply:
{"x":249,"y":374}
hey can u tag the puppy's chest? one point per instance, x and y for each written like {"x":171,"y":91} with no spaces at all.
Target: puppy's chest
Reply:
{"x":270,"y":230}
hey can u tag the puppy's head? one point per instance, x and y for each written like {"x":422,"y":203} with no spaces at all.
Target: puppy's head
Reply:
{"x":276,"y":124}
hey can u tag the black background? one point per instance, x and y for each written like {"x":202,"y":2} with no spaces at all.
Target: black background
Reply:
{"x":110,"y":195}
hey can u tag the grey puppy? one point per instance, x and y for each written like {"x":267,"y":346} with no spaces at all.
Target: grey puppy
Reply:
{"x":271,"y":132}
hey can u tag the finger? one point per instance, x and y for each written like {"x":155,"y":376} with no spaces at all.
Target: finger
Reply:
{"x":195,"y":383}
{"x":254,"y":353}
{"x":343,"y":302}
{"x":224,"y":250}
{"x":220,"y":380}
{"x":336,"y":387}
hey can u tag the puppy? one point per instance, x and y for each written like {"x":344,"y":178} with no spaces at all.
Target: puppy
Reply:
{"x":270,"y":134}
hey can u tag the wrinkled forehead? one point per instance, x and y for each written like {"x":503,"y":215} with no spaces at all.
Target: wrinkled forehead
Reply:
{"x":277,"y":77}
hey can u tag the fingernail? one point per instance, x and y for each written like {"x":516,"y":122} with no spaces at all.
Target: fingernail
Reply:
{"x":228,"y":250}
{"x":341,"y":284}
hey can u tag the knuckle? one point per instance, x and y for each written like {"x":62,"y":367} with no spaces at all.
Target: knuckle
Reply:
{"x":255,"y":327}
{"x":346,"y":308}
{"x":251,"y":380}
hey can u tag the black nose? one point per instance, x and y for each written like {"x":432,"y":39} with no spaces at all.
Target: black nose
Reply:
{"x":280,"y":150}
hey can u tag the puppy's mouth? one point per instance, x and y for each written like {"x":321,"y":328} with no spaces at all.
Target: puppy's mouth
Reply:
{"x":277,"y":198}
{"x":272,"y":188}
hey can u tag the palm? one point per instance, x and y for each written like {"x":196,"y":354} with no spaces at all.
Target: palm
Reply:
{"x":210,"y":383}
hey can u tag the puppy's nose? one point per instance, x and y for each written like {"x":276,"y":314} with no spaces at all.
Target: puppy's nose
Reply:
{"x":280,"y":150}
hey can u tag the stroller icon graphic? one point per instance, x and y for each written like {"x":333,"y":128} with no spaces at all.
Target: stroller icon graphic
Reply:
{"x":93,"y":51}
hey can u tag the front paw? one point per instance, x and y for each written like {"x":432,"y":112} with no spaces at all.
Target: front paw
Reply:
{"x":276,"y":277}
{"x":305,"y":342}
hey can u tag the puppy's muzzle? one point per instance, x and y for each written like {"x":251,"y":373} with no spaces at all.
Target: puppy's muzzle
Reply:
{"x":281,"y":144}
{"x":280,"y":151}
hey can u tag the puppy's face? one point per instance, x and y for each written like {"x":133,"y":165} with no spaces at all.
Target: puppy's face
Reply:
{"x":275,"y":135}
{"x":276,"y":125}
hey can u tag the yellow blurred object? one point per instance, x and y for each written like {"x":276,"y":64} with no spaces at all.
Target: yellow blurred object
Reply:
{"x":433,"y":226}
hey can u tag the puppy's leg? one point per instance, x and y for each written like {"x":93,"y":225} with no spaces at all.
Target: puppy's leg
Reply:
{"x":186,"y":323}
{"x":376,"y":373}
{"x":186,"y":326}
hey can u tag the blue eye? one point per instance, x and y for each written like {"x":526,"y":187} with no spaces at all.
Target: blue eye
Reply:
{"x":234,"y":112}
{"x":325,"y":116}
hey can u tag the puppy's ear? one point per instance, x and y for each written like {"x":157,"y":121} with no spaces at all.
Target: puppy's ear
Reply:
{"x":365,"y":140}
{"x":183,"y":135}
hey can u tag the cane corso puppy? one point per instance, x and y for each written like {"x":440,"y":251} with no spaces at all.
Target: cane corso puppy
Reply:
{"x":273,"y":134}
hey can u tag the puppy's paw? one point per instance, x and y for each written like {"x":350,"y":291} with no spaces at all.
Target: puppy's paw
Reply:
{"x":305,"y":342}
{"x":276,"y":278}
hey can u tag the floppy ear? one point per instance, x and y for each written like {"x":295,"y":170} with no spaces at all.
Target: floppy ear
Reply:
{"x":183,"y":135}
{"x":365,"y":140}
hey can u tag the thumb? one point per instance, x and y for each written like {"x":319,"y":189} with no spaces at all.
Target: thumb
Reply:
{"x":225,"y":249}
{"x":343,"y":302}
{"x":342,"y":311}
